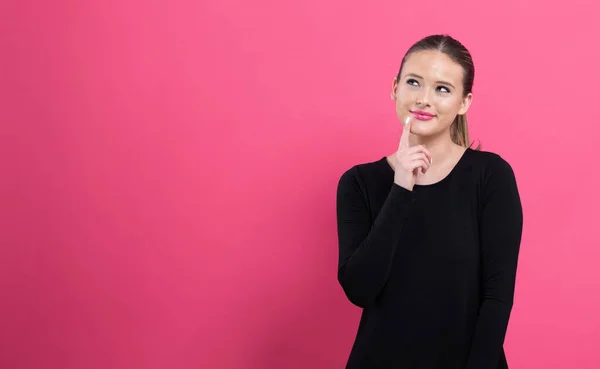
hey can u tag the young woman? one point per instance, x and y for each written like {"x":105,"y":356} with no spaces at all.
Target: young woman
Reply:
{"x":429,"y":236}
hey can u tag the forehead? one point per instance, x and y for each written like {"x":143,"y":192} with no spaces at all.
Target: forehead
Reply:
{"x":435,"y":65}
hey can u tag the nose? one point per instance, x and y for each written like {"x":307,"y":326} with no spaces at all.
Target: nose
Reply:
{"x":424,"y":97}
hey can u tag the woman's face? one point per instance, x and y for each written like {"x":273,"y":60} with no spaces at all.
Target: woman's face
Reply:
{"x":430,"y":91}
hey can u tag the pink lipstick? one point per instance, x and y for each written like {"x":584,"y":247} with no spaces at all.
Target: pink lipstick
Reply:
{"x":422,"y":115}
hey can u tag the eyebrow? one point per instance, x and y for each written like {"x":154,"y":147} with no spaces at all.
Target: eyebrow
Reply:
{"x":442,"y":82}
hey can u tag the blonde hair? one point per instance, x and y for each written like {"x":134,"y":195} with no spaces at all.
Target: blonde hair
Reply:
{"x":459,"y":132}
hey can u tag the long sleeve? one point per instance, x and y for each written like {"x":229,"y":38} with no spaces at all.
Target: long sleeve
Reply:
{"x":501,"y":224}
{"x":367,"y":247}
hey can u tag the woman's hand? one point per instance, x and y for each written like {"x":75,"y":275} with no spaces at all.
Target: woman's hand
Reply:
{"x":408,"y":160}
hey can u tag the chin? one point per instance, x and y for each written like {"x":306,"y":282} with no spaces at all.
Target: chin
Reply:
{"x":428,"y":128}
{"x":424,"y":131}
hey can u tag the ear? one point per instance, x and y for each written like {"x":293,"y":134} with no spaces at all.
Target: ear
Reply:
{"x":394,"y":85}
{"x":465,"y":104}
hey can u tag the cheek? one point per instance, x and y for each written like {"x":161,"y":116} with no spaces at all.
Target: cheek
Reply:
{"x":406,"y":93}
{"x":447,"y":106}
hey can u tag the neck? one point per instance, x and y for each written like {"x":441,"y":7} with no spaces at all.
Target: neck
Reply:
{"x":440,"y":147}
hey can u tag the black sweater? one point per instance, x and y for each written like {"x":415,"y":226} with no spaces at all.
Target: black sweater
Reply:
{"x":434,"y":268}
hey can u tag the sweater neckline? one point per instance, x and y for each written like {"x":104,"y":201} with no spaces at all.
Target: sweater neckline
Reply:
{"x":456,"y":167}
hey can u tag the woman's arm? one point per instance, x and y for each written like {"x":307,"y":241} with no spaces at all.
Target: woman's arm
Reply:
{"x":367,"y":247}
{"x":501,"y":225}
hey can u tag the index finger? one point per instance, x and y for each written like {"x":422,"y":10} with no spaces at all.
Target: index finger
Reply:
{"x":404,"y":143}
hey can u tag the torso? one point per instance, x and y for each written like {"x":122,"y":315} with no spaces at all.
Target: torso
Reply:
{"x":425,"y":314}
{"x":430,"y":299}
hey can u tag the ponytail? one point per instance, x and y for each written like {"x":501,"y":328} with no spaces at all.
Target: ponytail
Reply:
{"x":459,"y":132}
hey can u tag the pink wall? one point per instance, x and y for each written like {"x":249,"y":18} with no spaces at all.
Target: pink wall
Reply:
{"x":169,"y":173}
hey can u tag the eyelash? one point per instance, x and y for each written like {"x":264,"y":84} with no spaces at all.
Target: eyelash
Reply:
{"x":413,"y":80}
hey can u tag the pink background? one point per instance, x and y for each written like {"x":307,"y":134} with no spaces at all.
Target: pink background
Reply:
{"x":169,"y":172}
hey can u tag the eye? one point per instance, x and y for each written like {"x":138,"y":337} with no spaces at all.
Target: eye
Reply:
{"x":444,"y":89}
{"x":412,"y":82}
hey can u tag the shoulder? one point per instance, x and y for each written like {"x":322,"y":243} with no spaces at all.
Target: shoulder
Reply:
{"x":360,"y":174}
{"x":497,"y":177}
{"x":491,"y":166}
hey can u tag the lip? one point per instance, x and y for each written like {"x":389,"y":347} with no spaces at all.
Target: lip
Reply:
{"x":422,"y":115}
